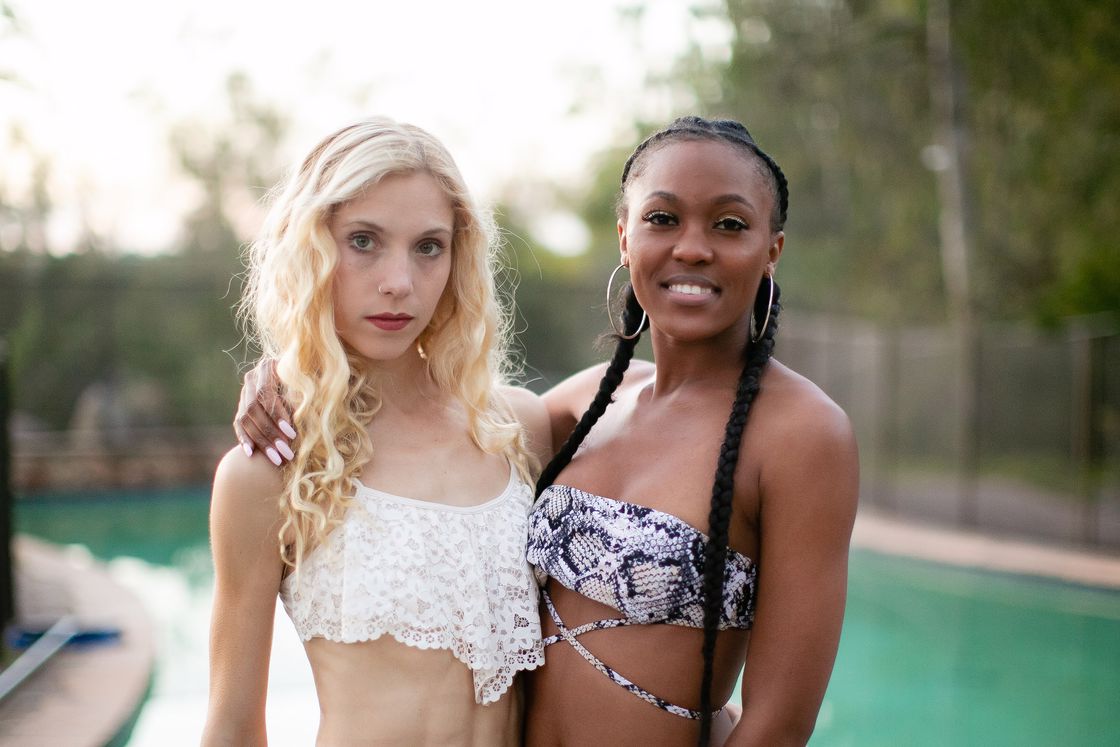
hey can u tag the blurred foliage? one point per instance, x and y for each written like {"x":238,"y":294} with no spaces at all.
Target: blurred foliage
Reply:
{"x":234,"y":162}
{"x":1044,"y":107}
{"x":836,"y":90}
{"x":557,"y":312}
{"x":152,"y":338}
{"x":9,"y":27}
{"x":128,"y":322}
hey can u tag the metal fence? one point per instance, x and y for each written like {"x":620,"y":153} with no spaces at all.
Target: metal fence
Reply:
{"x":7,"y":587}
{"x":1040,"y":457}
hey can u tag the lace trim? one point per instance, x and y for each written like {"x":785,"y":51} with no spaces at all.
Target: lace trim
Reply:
{"x":431,"y":576}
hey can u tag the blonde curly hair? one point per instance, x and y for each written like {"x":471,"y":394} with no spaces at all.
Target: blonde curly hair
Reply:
{"x":288,"y":311}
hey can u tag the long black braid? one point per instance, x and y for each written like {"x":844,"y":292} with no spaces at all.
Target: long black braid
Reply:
{"x":757,"y":354}
{"x":620,"y":361}
{"x":723,"y":488}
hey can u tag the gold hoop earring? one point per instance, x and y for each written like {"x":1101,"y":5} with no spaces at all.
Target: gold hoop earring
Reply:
{"x":610,"y":316}
{"x":762,"y":330}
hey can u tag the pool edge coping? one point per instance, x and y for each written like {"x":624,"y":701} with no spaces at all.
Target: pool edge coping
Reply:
{"x":891,"y":535}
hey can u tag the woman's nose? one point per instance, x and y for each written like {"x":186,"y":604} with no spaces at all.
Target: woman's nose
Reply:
{"x":395,"y":278}
{"x":692,"y":245}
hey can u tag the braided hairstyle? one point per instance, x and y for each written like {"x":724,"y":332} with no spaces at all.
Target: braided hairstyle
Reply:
{"x":719,"y":515}
{"x":756,"y":355}
{"x":620,"y":361}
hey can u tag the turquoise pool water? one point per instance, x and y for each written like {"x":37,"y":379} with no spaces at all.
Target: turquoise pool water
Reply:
{"x":930,"y":655}
{"x":947,"y":656}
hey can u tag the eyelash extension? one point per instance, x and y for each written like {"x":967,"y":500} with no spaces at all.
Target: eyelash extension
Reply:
{"x":741,"y":224}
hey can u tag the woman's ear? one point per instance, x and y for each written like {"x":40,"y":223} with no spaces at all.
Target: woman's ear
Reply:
{"x":623,"y":251}
{"x":775,"y":251}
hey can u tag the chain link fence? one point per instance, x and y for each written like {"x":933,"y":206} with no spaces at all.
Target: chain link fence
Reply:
{"x":1038,"y":457}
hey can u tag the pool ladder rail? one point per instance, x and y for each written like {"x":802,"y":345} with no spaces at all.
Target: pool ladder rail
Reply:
{"x":41,"y":645}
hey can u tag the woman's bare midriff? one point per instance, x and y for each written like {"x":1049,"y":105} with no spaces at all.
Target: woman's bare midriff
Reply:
{"x":664,"y":659}
{"x":383,"y":692}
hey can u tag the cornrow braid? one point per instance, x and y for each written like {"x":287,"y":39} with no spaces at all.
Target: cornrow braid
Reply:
{"x":723,"y":488}
{"x":727,"y":130}
{"x":612,"y":377}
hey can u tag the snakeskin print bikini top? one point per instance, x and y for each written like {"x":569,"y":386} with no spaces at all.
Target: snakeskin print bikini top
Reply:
{"x":647,"y":564}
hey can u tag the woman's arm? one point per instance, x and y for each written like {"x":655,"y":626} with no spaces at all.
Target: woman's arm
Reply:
{"x":263,"y":419}
{"x":809,"y":484}
{"x":244,"y":520}
{"x":529,"y":409}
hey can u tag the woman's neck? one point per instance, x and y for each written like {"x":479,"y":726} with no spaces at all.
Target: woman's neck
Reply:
{"x":682,"y":366}
{"x":405,"y":383}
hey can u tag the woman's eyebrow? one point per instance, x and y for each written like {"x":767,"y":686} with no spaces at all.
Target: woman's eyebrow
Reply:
{"x":368,"y":225}
{"x":730,"y":197}
{"x":364,"y":224}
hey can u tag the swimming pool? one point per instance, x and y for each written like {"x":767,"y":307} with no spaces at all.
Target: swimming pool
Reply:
{"x":930,"y":655}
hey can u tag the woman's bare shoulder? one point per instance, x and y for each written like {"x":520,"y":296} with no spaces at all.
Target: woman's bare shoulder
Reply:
{"x":521,"y":400}
{"x":807,"y":447}
{"x":247,"y":486}
{"x":796,"y":406}
{"x":529,"y":409}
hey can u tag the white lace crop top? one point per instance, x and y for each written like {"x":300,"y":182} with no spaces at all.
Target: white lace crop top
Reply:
{"x":431,"y":576}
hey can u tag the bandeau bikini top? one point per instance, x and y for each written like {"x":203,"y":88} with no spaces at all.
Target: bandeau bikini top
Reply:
{"x":647,"y":564}
{"x":430,"y":575}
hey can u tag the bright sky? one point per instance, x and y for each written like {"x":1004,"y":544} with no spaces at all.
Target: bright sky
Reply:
{"x":517,"y":89}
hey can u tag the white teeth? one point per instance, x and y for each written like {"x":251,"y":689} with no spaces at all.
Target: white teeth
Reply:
{"x":691,"y":290}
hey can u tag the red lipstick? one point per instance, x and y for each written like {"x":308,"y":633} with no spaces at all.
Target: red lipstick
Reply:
{"x":390,"y":322}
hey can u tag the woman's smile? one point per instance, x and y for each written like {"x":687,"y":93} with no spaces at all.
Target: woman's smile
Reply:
{"x":691,"y":290}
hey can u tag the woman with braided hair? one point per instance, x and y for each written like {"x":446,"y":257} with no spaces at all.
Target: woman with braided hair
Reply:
{"x":658,"y":577}
{"x":630,"y":583}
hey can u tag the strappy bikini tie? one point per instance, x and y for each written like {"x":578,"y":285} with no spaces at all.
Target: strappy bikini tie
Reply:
{"x":571,"y":634}
{"x":645,"y":563}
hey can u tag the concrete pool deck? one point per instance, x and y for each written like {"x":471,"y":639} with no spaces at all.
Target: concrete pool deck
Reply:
{"x":89,"y":696}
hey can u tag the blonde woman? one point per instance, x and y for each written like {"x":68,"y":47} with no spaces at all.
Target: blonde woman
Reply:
{"x":395,"y":534}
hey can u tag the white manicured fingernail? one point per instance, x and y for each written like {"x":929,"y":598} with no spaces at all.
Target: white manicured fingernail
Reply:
{"x":247,"y":448}
{"x":289,"y":431}
{"x":272,"y":456}
{"x":284,"y":449}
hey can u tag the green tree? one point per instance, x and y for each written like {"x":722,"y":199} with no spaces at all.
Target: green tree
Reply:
{"x":556,"y":311}
{"x":839,"y":93}
{"x":1045,"y":115}
{"x":163,"y":322}
{"x":234,"y":161}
